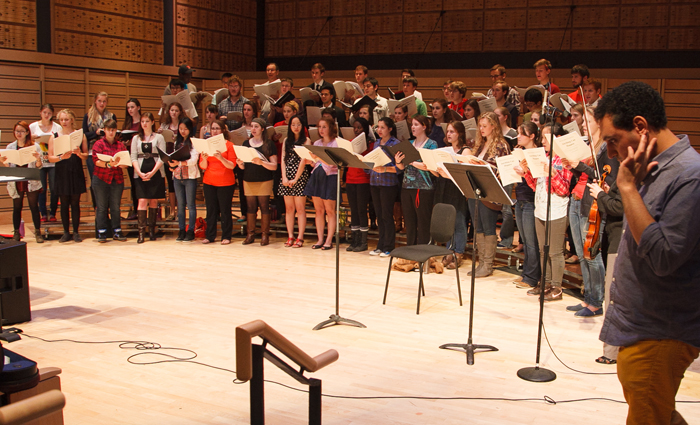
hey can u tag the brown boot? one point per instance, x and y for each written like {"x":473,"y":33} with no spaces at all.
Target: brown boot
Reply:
{"x":487,"y":254}
{"x":251,"y":229}
{"x":152,"y":217}
{"x":39,"y":237}
{"x":453,"y":265}
{"x":141,"y":215}
{"x":479,"y":246}
{"x":265,"y":227}
{"x":447,"y":260}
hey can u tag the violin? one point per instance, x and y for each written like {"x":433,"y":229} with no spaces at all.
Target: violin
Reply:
{"x":591,"y":246}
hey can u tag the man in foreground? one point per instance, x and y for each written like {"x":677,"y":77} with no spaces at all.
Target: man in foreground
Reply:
{"x":654,"y":312}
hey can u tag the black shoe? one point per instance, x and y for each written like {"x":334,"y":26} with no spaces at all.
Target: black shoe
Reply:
{"x":76,"y":237}
{"x":180,"y":236}
{"x":102,"y":237}
{"x":119,"y":237}
{"x":65,"y":238}
{"x":189,"y":236}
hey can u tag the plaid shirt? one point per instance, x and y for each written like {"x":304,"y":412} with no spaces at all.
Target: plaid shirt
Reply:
{"x":385,"y":179}
{"x":227,"y":106}
{"x":103,"y":173}
{"x":560,"y":181}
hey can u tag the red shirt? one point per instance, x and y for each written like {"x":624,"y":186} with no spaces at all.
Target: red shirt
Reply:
{"x":216,"y":173}
{"x":108,"y":174}
{"x":459,"y":107}
{"x":358,"y":175}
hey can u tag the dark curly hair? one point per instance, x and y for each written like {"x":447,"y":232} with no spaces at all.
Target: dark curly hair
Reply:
{"x":629,"y":100}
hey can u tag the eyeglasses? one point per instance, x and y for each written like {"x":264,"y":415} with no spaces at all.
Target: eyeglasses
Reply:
{"x":495,"y":77}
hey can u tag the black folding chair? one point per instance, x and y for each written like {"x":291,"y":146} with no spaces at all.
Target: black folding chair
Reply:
{"x":442,"y":229}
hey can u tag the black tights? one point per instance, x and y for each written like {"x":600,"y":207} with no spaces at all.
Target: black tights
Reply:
{"x":17,"y":204}
{"x":70,"y":202}
{"x":258,"y":201}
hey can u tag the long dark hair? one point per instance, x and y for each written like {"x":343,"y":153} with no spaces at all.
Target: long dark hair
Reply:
{"x":389,"y":123}
{"x":180,"y":141}
{"x":474,"y":104}
{"x":128,"y":121}
{"x":529,"y":128}
{"x":291,"y":141}
{"x":365,"y":127}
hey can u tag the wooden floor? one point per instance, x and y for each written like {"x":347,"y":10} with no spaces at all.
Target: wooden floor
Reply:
{"x":193,"y":296}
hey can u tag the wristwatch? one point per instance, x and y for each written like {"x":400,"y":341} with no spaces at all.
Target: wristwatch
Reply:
{"x":108,"y":164}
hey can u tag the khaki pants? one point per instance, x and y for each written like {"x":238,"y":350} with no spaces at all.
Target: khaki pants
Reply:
{"x":650,"y":372}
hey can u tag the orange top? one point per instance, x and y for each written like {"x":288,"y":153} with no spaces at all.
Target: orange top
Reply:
{"x":216,"y":174}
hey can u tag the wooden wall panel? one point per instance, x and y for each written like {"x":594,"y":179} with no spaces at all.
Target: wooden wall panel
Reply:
{"x":504,"y":26}
{"x":217,"y":34}
{"x":18,"y":25}
{"x":127,"y":30}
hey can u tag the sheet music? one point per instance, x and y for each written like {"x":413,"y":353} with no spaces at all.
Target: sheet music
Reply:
{"x":506,"y":169}
{"x":347,"y":133}
{"x":21,"y":156}
{"x":402,"y":131}
{"x":470,"y":123}
{"x":571,"y":147}
{"x":572,"y":127}
{"x":488,"y":105}
{"x":313,"y":115}
{"x":247,"y":154}
{"x":536,"y":161}
{"x":124,"y":158}
{"x":211,"y":145}
{"x":304,"y":153}
{"x":239,"y":136}
{"x":377,"y":157}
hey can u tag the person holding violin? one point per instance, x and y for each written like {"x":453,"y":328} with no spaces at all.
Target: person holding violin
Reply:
{"x":585,"y":220}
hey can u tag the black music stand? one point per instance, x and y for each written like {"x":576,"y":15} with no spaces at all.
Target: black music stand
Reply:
{"x":476,"y":182}
{"x":341,"y":158}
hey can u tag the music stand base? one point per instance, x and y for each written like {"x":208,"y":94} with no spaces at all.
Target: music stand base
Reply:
{"x":468,"y":348}
{"x":536,"y":374}
{"x":334,"y":319}
{"x":9,"y":335}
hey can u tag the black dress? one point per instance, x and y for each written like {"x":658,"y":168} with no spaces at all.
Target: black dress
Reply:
{"x":70,"y":178}
{"x":155,"y":187}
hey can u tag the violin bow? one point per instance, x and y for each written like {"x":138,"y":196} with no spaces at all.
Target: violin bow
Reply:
{"x":588,"y":130}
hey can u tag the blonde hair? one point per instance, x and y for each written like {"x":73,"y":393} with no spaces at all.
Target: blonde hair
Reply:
{"x":293,"y":106}
{"x":93,"y":114}
{"x":68,"y":112}
{"x":495,"y":139}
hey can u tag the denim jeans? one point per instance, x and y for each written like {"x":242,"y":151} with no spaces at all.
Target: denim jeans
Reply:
{"x":525,"y":217}
{"x":507,"y":228}
{"x":107,"y":197}
{"x":460,"y":236}
{"x":487,"y":218}
{"x":592,"y":271}
{"x":185,"y":191}
{"x":48,"y":173}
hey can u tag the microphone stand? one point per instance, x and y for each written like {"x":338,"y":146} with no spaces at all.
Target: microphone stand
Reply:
{"x":537,"y":373}
{"x":328,"y":19}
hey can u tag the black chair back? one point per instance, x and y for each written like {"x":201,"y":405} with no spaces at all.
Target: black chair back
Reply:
{"x":442,"y":223}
